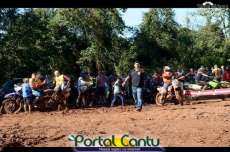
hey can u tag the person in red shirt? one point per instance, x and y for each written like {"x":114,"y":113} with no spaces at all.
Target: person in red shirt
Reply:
{"x":227,"y":74}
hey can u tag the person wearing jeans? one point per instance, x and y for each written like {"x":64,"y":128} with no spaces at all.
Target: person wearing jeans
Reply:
{"x":137,"y":96}
{"x":115,"y":99}
{"x":137,"y":79}
{"x":117,"y":92}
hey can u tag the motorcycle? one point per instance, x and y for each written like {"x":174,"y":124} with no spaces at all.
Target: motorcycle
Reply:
{"x":13,"y":102}
{"x":6,"y":88}
{"x":173,"y":94}
{"x":211,"y":83}
{"x":58,"y":100}
{"x":214,"y":84}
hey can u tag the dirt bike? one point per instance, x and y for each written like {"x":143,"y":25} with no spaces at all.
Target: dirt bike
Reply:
{"x":13,"y":102}
{"x":173,"y":94}
{"x":58,"y":100}
{"x":214,"y":84}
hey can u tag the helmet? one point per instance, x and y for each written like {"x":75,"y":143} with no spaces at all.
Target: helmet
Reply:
{"x":167,"y":68}
{"x":202,"y":68}
{"x":56,"y":72}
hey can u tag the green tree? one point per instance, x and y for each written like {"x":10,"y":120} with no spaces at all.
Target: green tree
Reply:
{"x":156,"y":40}
{"x":209,"y":45}
{"x":100,"y":28}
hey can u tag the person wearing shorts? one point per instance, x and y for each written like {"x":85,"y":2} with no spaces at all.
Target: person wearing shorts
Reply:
{"x":59,"y":81}
{"x":27,"y":95}
{"x":167,"y":80}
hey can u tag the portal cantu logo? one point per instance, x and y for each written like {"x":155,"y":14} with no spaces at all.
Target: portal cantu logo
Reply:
{"x":113,"y":141}
{"x":209,"y":4}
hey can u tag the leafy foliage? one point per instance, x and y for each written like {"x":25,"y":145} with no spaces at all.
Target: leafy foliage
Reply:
{"x":92,"y":39}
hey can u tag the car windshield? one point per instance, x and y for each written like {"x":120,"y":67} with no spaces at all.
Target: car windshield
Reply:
{"x":8,"y":84}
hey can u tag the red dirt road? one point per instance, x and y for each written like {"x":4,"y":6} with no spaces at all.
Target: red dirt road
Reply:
{"x":204,"y":124}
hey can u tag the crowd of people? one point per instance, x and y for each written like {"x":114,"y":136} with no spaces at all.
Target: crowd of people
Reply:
{"x":34,"y":87}
{"x":109,"y":89}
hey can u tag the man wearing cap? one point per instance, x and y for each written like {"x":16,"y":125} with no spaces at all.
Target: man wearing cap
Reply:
{"x":137,"y":79}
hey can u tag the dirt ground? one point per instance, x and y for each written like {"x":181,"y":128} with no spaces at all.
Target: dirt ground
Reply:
{"x":199,"y":124}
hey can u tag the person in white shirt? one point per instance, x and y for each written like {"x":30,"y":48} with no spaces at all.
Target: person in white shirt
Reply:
{"x":83,"y":86}
{"x":117,"y":92}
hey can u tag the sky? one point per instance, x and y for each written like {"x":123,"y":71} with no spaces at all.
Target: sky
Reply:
{"x":133,"y":16}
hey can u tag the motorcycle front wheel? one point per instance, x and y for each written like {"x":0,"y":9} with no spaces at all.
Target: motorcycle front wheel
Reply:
{"x":158,"y":99}
{"x":12,"y":106}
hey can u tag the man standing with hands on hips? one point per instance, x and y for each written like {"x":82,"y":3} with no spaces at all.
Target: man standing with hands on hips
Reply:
{"x":137,"y":78}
